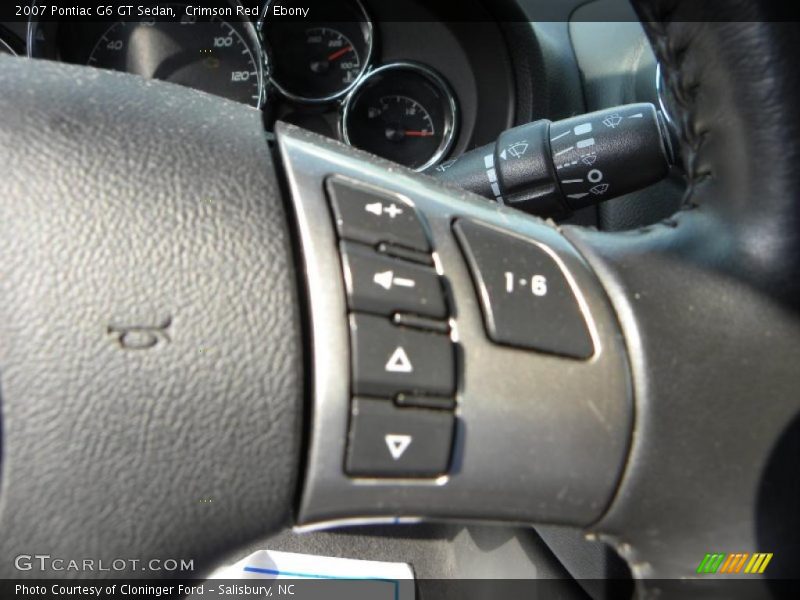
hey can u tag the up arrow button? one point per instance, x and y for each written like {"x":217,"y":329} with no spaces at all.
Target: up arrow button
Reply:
{"x":388,"y":360}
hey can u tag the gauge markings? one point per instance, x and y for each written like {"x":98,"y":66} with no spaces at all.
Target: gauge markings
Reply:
{"x":403,"y":112}
{"x":208,"y":54}
{"x":403,"y":117}
{"x":321,"y":61}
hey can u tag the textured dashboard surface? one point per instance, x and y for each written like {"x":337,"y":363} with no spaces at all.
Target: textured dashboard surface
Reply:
{"x":150,"y":350}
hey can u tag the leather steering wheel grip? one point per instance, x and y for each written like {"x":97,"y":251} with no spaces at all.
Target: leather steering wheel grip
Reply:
{"x":151,"y":358}
{"x":708,"y":301}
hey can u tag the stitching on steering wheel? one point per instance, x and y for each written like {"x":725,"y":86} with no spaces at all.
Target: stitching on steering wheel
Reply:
{"x":656,"y":19}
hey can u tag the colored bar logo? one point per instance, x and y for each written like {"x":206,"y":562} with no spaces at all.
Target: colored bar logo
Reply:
{"x":737,"y":562}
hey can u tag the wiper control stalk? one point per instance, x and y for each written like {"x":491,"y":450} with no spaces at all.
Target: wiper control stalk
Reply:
{"x":553,"y":168}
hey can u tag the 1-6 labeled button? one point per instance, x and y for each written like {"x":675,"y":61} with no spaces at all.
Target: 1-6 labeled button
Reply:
{"x":526,"y":299}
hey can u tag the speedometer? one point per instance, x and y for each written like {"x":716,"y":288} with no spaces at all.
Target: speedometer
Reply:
{"x":220,"y":55}
{"x":209,"y":55}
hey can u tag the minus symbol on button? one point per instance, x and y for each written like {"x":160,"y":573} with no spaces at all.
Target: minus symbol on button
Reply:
{"x":387,"y":280}
{"x":409,"y":283}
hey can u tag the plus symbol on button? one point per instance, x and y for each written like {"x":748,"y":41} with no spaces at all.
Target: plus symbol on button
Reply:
{"x":393,"y":211}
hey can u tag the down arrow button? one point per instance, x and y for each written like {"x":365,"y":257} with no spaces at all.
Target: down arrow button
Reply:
{"x":387,"y":441}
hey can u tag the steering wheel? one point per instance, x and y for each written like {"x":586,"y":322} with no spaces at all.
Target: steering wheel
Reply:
{"x":176,"y":336}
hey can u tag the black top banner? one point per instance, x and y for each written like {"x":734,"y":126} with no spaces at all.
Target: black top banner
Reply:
{"x":383,"y":10}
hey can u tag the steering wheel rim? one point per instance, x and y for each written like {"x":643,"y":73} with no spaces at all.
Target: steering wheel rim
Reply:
{"x":708,"y":303}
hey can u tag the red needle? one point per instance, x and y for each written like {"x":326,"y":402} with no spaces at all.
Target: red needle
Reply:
{"x":418,"y":133}
{"x":339,"y":53}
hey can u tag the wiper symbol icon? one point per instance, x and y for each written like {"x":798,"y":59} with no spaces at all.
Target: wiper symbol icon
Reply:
{"x":612,"y":120}
{"x":518,"y":149}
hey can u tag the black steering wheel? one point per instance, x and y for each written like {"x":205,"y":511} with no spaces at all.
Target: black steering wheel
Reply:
{"x":174,"y":326}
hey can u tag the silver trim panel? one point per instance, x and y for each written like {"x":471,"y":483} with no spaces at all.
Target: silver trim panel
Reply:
{"x":539,"y":438}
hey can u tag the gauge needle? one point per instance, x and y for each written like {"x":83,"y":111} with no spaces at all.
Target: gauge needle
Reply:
{"x":418,"y":133}
{"x":339,"y":53}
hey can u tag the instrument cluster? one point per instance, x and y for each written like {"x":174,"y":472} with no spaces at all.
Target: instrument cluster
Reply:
{"x":307,"y":71}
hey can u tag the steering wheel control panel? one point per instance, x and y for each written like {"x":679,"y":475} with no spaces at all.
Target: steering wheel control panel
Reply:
{"x":451,"y":340}
{"x":403,"y":366}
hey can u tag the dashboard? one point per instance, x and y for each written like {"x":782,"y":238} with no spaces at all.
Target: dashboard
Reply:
{"x":408,"y":80}
{"x":410,"y":91}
